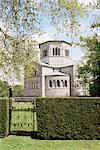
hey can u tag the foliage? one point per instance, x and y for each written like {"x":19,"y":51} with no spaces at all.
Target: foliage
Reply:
{"x":68,"y":118}
{"x":4,"y":107}
{"x":4,"y":88}
{"x":91,"y":68}
{"x":18,"y":24}
{"x":65,"y":14}
{"x":95,"y":88}
{"x":18,"y":90}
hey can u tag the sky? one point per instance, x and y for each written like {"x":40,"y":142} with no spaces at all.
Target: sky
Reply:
{"x":50,"y":33}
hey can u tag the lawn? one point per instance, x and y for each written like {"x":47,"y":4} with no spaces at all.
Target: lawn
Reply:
{"x":26,"y":143}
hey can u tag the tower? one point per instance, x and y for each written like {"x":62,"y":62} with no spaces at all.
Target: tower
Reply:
{"x":55,"y":53}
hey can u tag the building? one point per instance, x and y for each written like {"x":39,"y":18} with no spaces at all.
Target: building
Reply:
{"x":56,"y":73}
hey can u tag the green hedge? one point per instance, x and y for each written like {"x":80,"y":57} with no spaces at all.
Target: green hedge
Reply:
{"x":68,"y":118}
{"x":4,"y":116}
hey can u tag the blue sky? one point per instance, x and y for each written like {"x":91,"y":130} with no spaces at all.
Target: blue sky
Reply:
{"x":50,"y":33}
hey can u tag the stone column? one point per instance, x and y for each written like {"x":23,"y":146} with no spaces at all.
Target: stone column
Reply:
{"x":43,"y":85}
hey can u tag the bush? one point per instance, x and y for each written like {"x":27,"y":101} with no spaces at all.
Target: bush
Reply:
{"x":68,"y":118}
{"x":4,"y":116}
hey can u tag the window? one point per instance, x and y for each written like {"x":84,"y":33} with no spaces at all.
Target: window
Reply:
{"x":30,"y":85}
{"x":66,"y":53}
{"x":62,"y":83}
{"x":56,"y":51}
{"x":35,"y":85}
{"x":58,"y":83}
{"x":50,"y":83}
{"x":54,"y":83}
{"x":53,"y":51}
{"x":65,"y":83}
{"x":44,"y":53}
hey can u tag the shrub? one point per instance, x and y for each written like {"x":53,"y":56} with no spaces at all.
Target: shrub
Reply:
{"x":68,"y":118}
{"x":4,"y":116}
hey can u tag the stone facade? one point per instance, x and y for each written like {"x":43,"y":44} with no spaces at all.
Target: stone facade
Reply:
{"x":56,"y":73}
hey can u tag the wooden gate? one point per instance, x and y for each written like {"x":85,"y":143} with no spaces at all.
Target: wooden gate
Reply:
{"x":22,"y":117}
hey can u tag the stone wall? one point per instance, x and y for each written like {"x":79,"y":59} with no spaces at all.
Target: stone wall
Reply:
{"x":55,"y":60}
{"x":80,"y":88}
{"x":55,"y":91}
{"x":69,"y":70}
{"x":32,"y":86}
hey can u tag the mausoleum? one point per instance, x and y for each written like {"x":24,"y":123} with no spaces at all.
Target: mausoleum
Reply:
{"x":56,"y":74}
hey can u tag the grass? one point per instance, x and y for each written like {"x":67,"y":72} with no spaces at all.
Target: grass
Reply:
{"x":26,"y":143}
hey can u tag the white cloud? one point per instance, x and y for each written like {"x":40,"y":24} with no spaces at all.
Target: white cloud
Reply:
{"x":82,"y":1}
{"x":87,"y":1}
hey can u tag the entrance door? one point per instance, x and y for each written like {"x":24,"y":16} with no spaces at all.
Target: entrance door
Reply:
{"x":22,"y":118}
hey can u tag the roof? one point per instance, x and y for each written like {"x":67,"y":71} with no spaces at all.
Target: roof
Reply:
{"x":55,"y":41}
{"x":44,"y":64}
{"x":56,"y":74}
{"x":70,"y":63}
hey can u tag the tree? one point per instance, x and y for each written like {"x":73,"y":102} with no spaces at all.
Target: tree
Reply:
{"x":65,"y":14}
{"x":18,"y":90}
{"x":18,"y":23}
{"x":91,"y":69}
{"x":4,"y":89}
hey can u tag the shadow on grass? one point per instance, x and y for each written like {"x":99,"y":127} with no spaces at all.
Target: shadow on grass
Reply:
{"x":22,"y":133}
{"x":35,"y":135}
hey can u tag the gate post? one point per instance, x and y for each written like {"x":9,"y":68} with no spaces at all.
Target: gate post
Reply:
{"x":10,"y":104}
{"x":34,"y":119}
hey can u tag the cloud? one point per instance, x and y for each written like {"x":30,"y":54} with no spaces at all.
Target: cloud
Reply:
{"x":87,"y":1}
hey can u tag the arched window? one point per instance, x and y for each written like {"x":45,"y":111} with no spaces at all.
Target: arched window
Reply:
{"x":50,"y":83}
{"x":56,"y":50}
{"x":36,"y":85}
{"x":54,"y":83}
{"x":30,"y":85}
{"x":66,"y":52}
{"x":53,"y":51}
{"x":62,"y":83}
{"x":44,"y":53}
{"x":58,"y":83}
{"x":65,"y":83}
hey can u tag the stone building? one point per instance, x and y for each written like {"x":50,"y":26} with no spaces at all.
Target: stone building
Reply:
{"x":56,"y":73}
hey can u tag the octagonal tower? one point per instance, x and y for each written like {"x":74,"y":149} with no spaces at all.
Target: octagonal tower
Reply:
{"x":55,"y":53}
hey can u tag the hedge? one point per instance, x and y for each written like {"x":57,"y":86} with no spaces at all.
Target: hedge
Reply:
{"x":68,"y":118}
{"x":4,"y":117}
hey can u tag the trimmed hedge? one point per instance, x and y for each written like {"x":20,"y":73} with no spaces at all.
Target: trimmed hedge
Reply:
{"x":4,"y":116}
{"x":68,"y":118}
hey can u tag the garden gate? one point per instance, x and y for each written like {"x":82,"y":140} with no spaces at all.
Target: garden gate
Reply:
{"x":22,"y":116}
